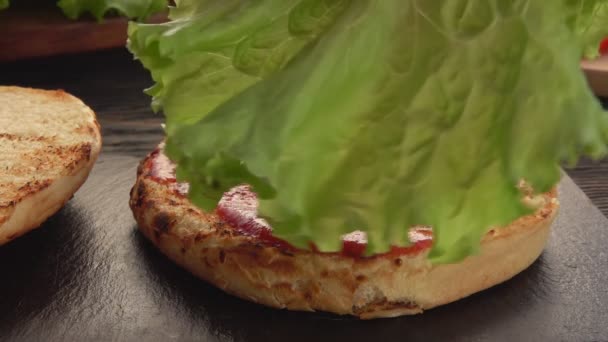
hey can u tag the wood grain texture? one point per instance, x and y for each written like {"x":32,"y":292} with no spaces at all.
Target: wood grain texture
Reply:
{"x":112,"y":83}
{"x":35,"y":32}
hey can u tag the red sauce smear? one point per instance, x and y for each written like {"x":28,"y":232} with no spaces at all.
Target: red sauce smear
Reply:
{"x":162,"y":170}
{"x":238,"y":207}
{"x":603,"y":48}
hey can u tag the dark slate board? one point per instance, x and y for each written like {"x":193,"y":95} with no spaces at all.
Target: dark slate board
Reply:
{"x":88,"y":274}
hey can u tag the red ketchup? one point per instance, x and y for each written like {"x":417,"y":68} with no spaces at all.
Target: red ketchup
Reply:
{"x":162,"y":170}
{"x":239,"y":208}
{"x":603,"y":48}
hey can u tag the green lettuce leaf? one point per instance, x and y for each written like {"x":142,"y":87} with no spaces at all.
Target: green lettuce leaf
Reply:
{"x":139,"y":9}
{"x":4,"y":4}
{"x":390,"y":113}
{"x":214,"y":49}
{"x":589,"y":20}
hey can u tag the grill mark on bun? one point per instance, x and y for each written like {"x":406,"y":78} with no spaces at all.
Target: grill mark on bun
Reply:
{"x":162,"y":222}
{"x":15,"y":137}
{"x":50,"y":141}
{"x":383,"y":304}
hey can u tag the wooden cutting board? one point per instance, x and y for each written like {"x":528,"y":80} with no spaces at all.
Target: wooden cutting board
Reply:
{"x":597,"y":75}
{"x":27,"y":33}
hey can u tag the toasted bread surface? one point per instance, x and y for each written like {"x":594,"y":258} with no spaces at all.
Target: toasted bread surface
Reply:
{"x":366,"y":287}
{"x":49,"y":141}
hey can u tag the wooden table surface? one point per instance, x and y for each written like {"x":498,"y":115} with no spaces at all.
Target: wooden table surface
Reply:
{"x":112,"y":83}
{"x":32,"y":28}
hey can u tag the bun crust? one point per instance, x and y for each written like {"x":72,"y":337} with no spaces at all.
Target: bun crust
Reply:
{"x":49,"y":141}
{"x":366,"y":287}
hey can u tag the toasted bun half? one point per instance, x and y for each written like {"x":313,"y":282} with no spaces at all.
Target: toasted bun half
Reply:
{"x":385,"y":285}
{"x":49,"y":141}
